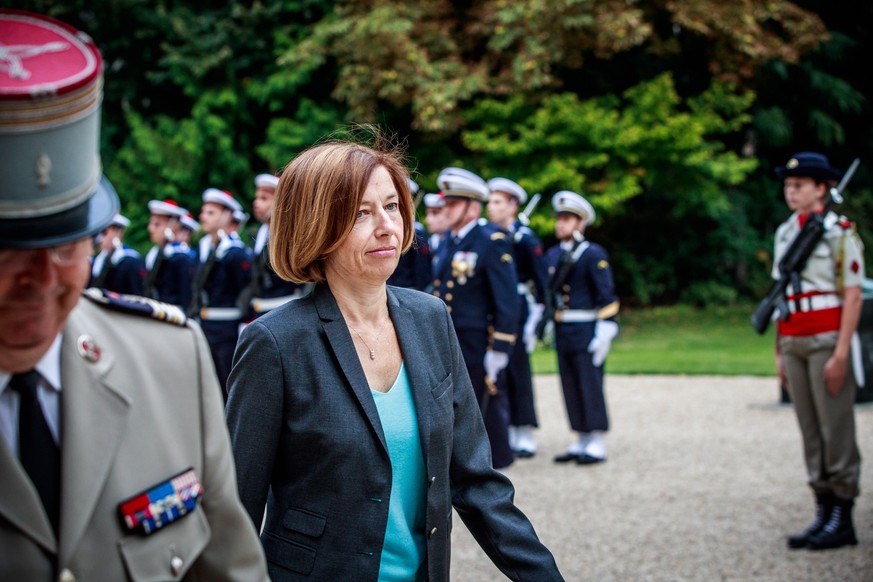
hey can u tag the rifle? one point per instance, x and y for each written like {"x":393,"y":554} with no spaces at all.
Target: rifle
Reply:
{"x":524,"y":215}
{"x":199,"y":298}
{"x":556,"y":282}
{"x":794,"y":261}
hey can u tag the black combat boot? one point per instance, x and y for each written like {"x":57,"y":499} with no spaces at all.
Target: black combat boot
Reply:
{"x":824,"y":504}
{"x":838,"y":531}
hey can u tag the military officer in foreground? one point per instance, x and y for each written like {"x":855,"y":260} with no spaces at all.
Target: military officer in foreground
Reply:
{"x":117,"y":267}
{"x":477,"y":280}
{"x":504,"y":204}
{"x":585,"y":305}
{"x":114,"y":457}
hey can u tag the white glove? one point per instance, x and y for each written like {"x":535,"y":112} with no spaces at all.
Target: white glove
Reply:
{"x":494,"y":363}
{"x":530,"y":326}
{"x":604,"y":332}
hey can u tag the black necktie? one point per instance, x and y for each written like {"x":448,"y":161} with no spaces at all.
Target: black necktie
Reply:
{"x":39,"y":454}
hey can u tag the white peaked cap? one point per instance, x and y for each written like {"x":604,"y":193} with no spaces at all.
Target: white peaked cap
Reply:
{"x":166,"y":208}
{"x":222,"y":197}
{"x":266,"y":181}
{"x":460,"y":183}
{"x":567,"y":201}
{"x":507,"y":186}
{"x":434,"y":200}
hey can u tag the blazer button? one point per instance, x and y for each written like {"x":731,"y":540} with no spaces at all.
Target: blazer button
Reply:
{"x":432,"y":479}
{"x":176,"y":565}
{"x":431,"y":532}
{"x":66,"y":575}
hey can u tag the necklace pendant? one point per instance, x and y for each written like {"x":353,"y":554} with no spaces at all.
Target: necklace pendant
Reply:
{"x":372,"y":354}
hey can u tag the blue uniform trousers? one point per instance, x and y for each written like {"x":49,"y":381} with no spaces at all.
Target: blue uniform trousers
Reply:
{"x":473,"y":346}
{"x":517,"y":378}
{"x":581,"y":381}
{"x":222,"y":337}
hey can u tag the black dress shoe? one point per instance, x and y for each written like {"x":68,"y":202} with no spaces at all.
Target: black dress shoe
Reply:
{"x":567,"y":457}
{"x":524,"y":454}
{"x":589,"y":460}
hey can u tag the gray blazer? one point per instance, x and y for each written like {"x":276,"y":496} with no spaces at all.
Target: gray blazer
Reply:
{"x":308,"y":444}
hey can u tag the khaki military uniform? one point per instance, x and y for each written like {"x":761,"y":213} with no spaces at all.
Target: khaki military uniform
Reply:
{"x":807,"y":341}
{"x":140,"y":403}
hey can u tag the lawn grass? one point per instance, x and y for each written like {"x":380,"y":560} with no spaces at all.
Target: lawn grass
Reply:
{"x":683,"y":340}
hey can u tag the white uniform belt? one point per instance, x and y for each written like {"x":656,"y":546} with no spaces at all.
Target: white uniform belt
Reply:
{"x":220,"y":313}
{"x":814,"y":303}
{"x":264,"y":304}
{"x":575,"y":315}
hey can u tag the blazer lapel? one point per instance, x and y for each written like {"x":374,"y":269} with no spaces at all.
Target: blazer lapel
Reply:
{"x":344,"y":349}
{"x":93,"y":419}
{"x":19,"y":502}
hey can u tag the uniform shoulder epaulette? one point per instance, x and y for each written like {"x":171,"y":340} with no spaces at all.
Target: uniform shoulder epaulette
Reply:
{"x":498,"y":235}
{"x":136,"y":305}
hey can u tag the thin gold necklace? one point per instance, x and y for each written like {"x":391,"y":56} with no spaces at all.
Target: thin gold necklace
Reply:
{"x":378,"y":335}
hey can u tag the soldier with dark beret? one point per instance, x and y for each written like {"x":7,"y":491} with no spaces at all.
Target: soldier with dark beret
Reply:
{"x":815,"y":344}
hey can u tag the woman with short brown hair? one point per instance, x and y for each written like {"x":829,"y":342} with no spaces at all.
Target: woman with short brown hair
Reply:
{"x":351,"y":414}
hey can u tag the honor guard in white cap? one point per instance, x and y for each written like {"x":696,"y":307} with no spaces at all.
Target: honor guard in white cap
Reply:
{"x":504,"y":204}
{"x":117,"y":267}
{"x":114,"y":455}
{"x":475,"y":276}
{"x":170,"y":266}
{"x":267,"y":290}
{"x":190,"y":227}
{"x":225,"y":273}
{"x":581,"y":301}
{"x":414,"y":269}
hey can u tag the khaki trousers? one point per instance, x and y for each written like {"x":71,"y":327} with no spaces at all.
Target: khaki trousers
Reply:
{"x":827,"y":423}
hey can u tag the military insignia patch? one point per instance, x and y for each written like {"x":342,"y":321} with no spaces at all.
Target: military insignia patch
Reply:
{"x":161,"y":504}
{"x":498,"y":236}
{"x":603,"y":264}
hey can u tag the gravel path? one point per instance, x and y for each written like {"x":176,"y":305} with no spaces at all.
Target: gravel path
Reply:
{"x":704,"y":480}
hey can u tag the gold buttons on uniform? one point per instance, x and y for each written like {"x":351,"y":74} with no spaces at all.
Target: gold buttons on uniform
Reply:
{"x":450,"y":284}
{"x":448,"y":296}
{"x":566,"y":287}
{"x":436,"y":293}
{"x":566,"y":298}
{"x":449,"y":307}
{"x":437,"y":282}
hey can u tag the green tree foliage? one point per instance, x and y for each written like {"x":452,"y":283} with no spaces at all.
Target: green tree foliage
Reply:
{"x":669,"y":114}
